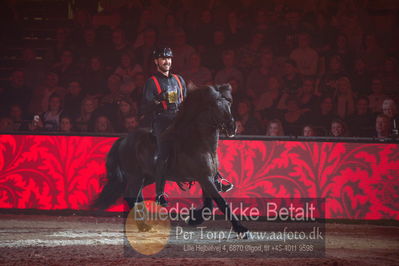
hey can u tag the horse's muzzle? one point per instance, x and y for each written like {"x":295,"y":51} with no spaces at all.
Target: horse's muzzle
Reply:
{"x":231,"y":128}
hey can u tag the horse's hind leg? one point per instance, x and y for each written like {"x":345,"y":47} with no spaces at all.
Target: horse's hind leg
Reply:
{"x":134,"y":198}
{"x":209,"y":188}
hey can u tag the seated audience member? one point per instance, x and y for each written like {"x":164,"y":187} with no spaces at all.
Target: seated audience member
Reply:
{"x":42,"y":93}
{"x":229,"y":71}
{"x":213,"y":56}
{"x":309,"y":131}
{"x":66,"y":124}
{"x":246,"y":116}
{"x":338,"y":128}
{"x":18,"y":116}
{"x":6,"y":124}
{"x":372,"y":52}
{"x":293,"y":117}
{"x":344,"y":99}
{"x":307,"y":96}
{"x":113,"y":93}
{"x":103,"y":125}
{"x":343,"y":50}
{"x":248,"y":55}
{"x":119,"y":47}
{"x":51,"y":118}
{"x":383,"y":126}
{"x":197,"y":73}
{"x":258,"y":77}
{"x":324,"y":115}
{"x":85,"y":120}
{"x":305,"y":56}
{"x":335,"y":70}
{"x":127,"y":68}
{"x":95,"y":77}
{"x":131,"y":123}
{"x":291,"y":80}
{"x":168,"y":30}
{"x":266,"y":103}
{"x":181,"y":52}
{"x":126,"y":108}
{"x":16,"y":91}
{"x":239,"y":128}
{"x":66,"y":68}
{"x":73,"y":98}
{"x":390,"y":77}
{"x":275,"y":128}
{"x":377,"y":96}
{"x":361,"y":122}
{"x":390,"y":109}
{"x":360,"y":78}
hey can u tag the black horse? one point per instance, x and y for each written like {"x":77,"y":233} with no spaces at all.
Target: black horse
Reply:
{"x":204,"y":115}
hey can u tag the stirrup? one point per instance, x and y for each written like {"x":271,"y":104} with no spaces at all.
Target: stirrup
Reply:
{"x":161,"y":200}
{"x":222,"y":187}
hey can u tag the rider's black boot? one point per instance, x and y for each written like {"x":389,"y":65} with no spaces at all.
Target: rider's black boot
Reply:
{"x":220,"y":186}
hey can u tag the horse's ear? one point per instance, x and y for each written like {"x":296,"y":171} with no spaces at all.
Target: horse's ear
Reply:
{"x":191,"y":86}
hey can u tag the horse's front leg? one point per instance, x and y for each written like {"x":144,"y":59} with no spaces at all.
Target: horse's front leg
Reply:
{"x":197,"y":215}
{"x":209,"y":188}
{"x":140,"y":210}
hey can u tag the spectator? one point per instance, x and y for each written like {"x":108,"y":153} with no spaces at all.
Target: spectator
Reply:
{"x":61,"y":44}
{"x":6,"y":124}
{"x":114,"y":85}
{"x":309,"y":131}
{"x":275,"y":128}
{"x":213,"y":54}
{"x":361,"y":122}
{"x":342,"y":50}
{"x":73,"y":98}
{"x":66,"y":68}
{"x":17,"y":92}
{"x":307,"y":95}
{"x":130,"y":123}
{"x":202,"y":34}
{"x":390,"y":109}
{"x":89,"y":47}
{"x":118,"y":48}
{"x":305,"y":57}
{"x":292,"y":80}
{"x":197,"y":73}
{"x":127,"y":68}
{"x":51,"y":118}
{"x":229,"y":71}
{"x":325,"y":114}
{"x":328,"y":82}
{"x":235,"y":29}
{"x":338,"y":128}
{"x":249,"y":54}
{"x":42,"y":93}
{"x":246,"y":116}
{"x":383,"y":126}
{"x":95,"y":77}
{"x":103,"y":125}
{"x":344,"y":100}
{"x":126,"y":108}
{"x":66,"y":124}
{"x":258,"y":78}
{"x":143,"y":53}
{"x":390,"y":77}
{"x":324,"y":33}
{"x":267,"y":102}
{"x":293,"y":117}
{"x":168,"y":30}
{"x":372,"y":53}
{"x":360,"y":78}
{"x":18,"y":117}
{"x":85,"y":121}
{"x":239,"y":128}
{"x":181,"y":51}
{"x":377,"y":96}
{"x":34,"y":69}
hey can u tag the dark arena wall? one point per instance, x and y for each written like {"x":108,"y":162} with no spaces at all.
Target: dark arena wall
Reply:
{"x":357,"y":180}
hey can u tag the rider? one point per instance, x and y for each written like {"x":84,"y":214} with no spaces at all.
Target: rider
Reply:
{"x":163,"y":94}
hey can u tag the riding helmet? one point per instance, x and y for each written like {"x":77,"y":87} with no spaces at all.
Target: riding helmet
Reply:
{"x":162,"y":52}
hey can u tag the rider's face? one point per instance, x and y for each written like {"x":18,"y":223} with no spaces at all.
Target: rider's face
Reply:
{"x":163,"y":63}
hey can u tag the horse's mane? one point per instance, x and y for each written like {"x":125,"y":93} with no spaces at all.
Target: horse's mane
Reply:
{"x":197,"y":100}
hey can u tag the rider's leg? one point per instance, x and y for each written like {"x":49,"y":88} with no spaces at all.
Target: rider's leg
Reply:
{"x":160,"y":171}
{"x":220,"y":186}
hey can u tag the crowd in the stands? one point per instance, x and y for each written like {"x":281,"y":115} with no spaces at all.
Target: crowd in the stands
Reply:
{"x":297,"y":68}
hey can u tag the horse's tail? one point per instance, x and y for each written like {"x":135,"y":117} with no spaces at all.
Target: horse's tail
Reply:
{"x":116,"y":180}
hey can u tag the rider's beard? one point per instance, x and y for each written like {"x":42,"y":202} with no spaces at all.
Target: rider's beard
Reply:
{"x":164,"y":68}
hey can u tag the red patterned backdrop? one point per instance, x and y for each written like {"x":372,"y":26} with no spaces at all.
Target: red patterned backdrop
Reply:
{"x":358,"y":180}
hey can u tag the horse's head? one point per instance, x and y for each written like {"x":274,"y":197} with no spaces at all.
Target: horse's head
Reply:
{"x":222,"y":110}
